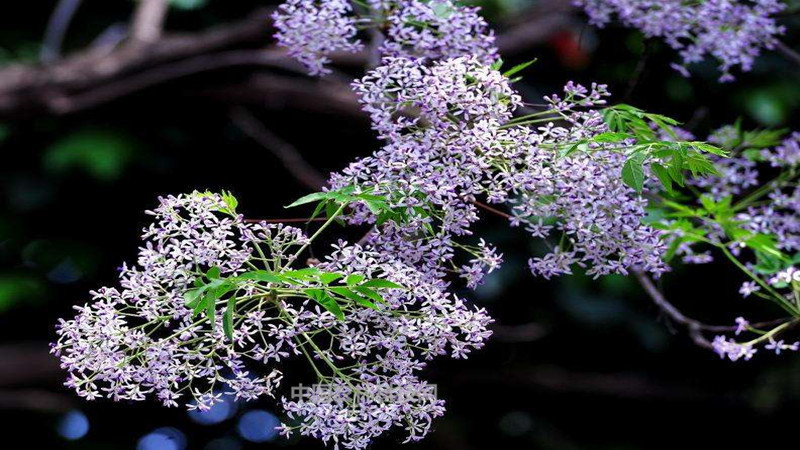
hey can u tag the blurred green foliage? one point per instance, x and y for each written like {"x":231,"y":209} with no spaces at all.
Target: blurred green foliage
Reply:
{"x":102,"y":154}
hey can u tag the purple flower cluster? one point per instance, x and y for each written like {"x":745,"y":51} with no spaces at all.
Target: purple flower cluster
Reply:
{"x":438,"y":29}
{"x":143,"y":339}
{"x":450,"y":137}
{"x":313,"y":29}
{"x":732,"y":31}
{"x":740,"y":173}
{"x":430,"y":30}
{"x":378,"y":354}
{"x":734,"y":351}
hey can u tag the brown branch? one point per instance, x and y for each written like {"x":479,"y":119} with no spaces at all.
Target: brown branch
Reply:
{"x":491,"y":209}
{"x":148,"y":21}
{"x":291,"y":220}
{"x":291,"y":159}
{"x":695,"y":327}
{"x":203,"y":63}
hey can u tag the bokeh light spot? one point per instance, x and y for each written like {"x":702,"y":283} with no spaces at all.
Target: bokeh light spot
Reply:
{"x":166,"y":438}
{"x":258,"y":426}
{"x":73,"y":425}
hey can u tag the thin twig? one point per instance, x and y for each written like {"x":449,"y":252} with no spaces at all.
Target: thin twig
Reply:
{"x":291,"y":159}
{"x":491,"y":209}
{"x":637,"y":73}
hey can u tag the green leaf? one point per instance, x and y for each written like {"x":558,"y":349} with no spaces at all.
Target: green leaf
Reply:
{"x":213,"y":273}
{"x":310,"y":198}
{"x":227,"y":318}
{"x":192,"y":297}
{"x":609,"y":137}
{"x":518,"y":68}
{"x":326,"y":301}
{"x":663,"y":176}
{"x":354,"y":279}
{"x":632,"y":172}
{"x":211,"y":308}
{"x":766,"y":245}
{"x":261,"y":275}
{"x":328,"y":278}
{"x":306,"y":274}
{"x":102,"y":154}
{"x":369,"y":293}
{"x":380,"y":283}
{"x":348,"y":293}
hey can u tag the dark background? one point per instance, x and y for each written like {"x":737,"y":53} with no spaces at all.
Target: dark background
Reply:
{"x":575,"y":363}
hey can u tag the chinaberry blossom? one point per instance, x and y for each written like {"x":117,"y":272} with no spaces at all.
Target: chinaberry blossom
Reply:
{"x":146,"y":338}
{"x":313,"y":29}
{"x":731,"y":31}
{"x":733,"y":350}
{"x":438,"y":29}
{"x":450,"y":138}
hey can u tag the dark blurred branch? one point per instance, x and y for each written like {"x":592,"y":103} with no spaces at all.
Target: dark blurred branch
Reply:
{"x":35,"y":400}
{"x":695,"y":327}
{"x":556,"y":379}
{"x":148,"y":21}
{"x":63,"y":104}
{"x":527,"y":332}
{"x":279,"y":93}
{"x":27,"y":363}
{"x":57,"y":29}
{"x":32,"y":87}
{"x":95,"y":76}
{"x":535,"y":26}
{"x":788,"y":52}
{"x":291,"y":159}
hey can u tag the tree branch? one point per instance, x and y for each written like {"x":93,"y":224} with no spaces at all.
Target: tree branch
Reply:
{"x":148,"y":21}
{"x":291,"y":159}
{"x":31,"y":88}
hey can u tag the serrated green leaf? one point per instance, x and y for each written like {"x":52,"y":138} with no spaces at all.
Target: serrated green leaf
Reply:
{"x":633,"y":173}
